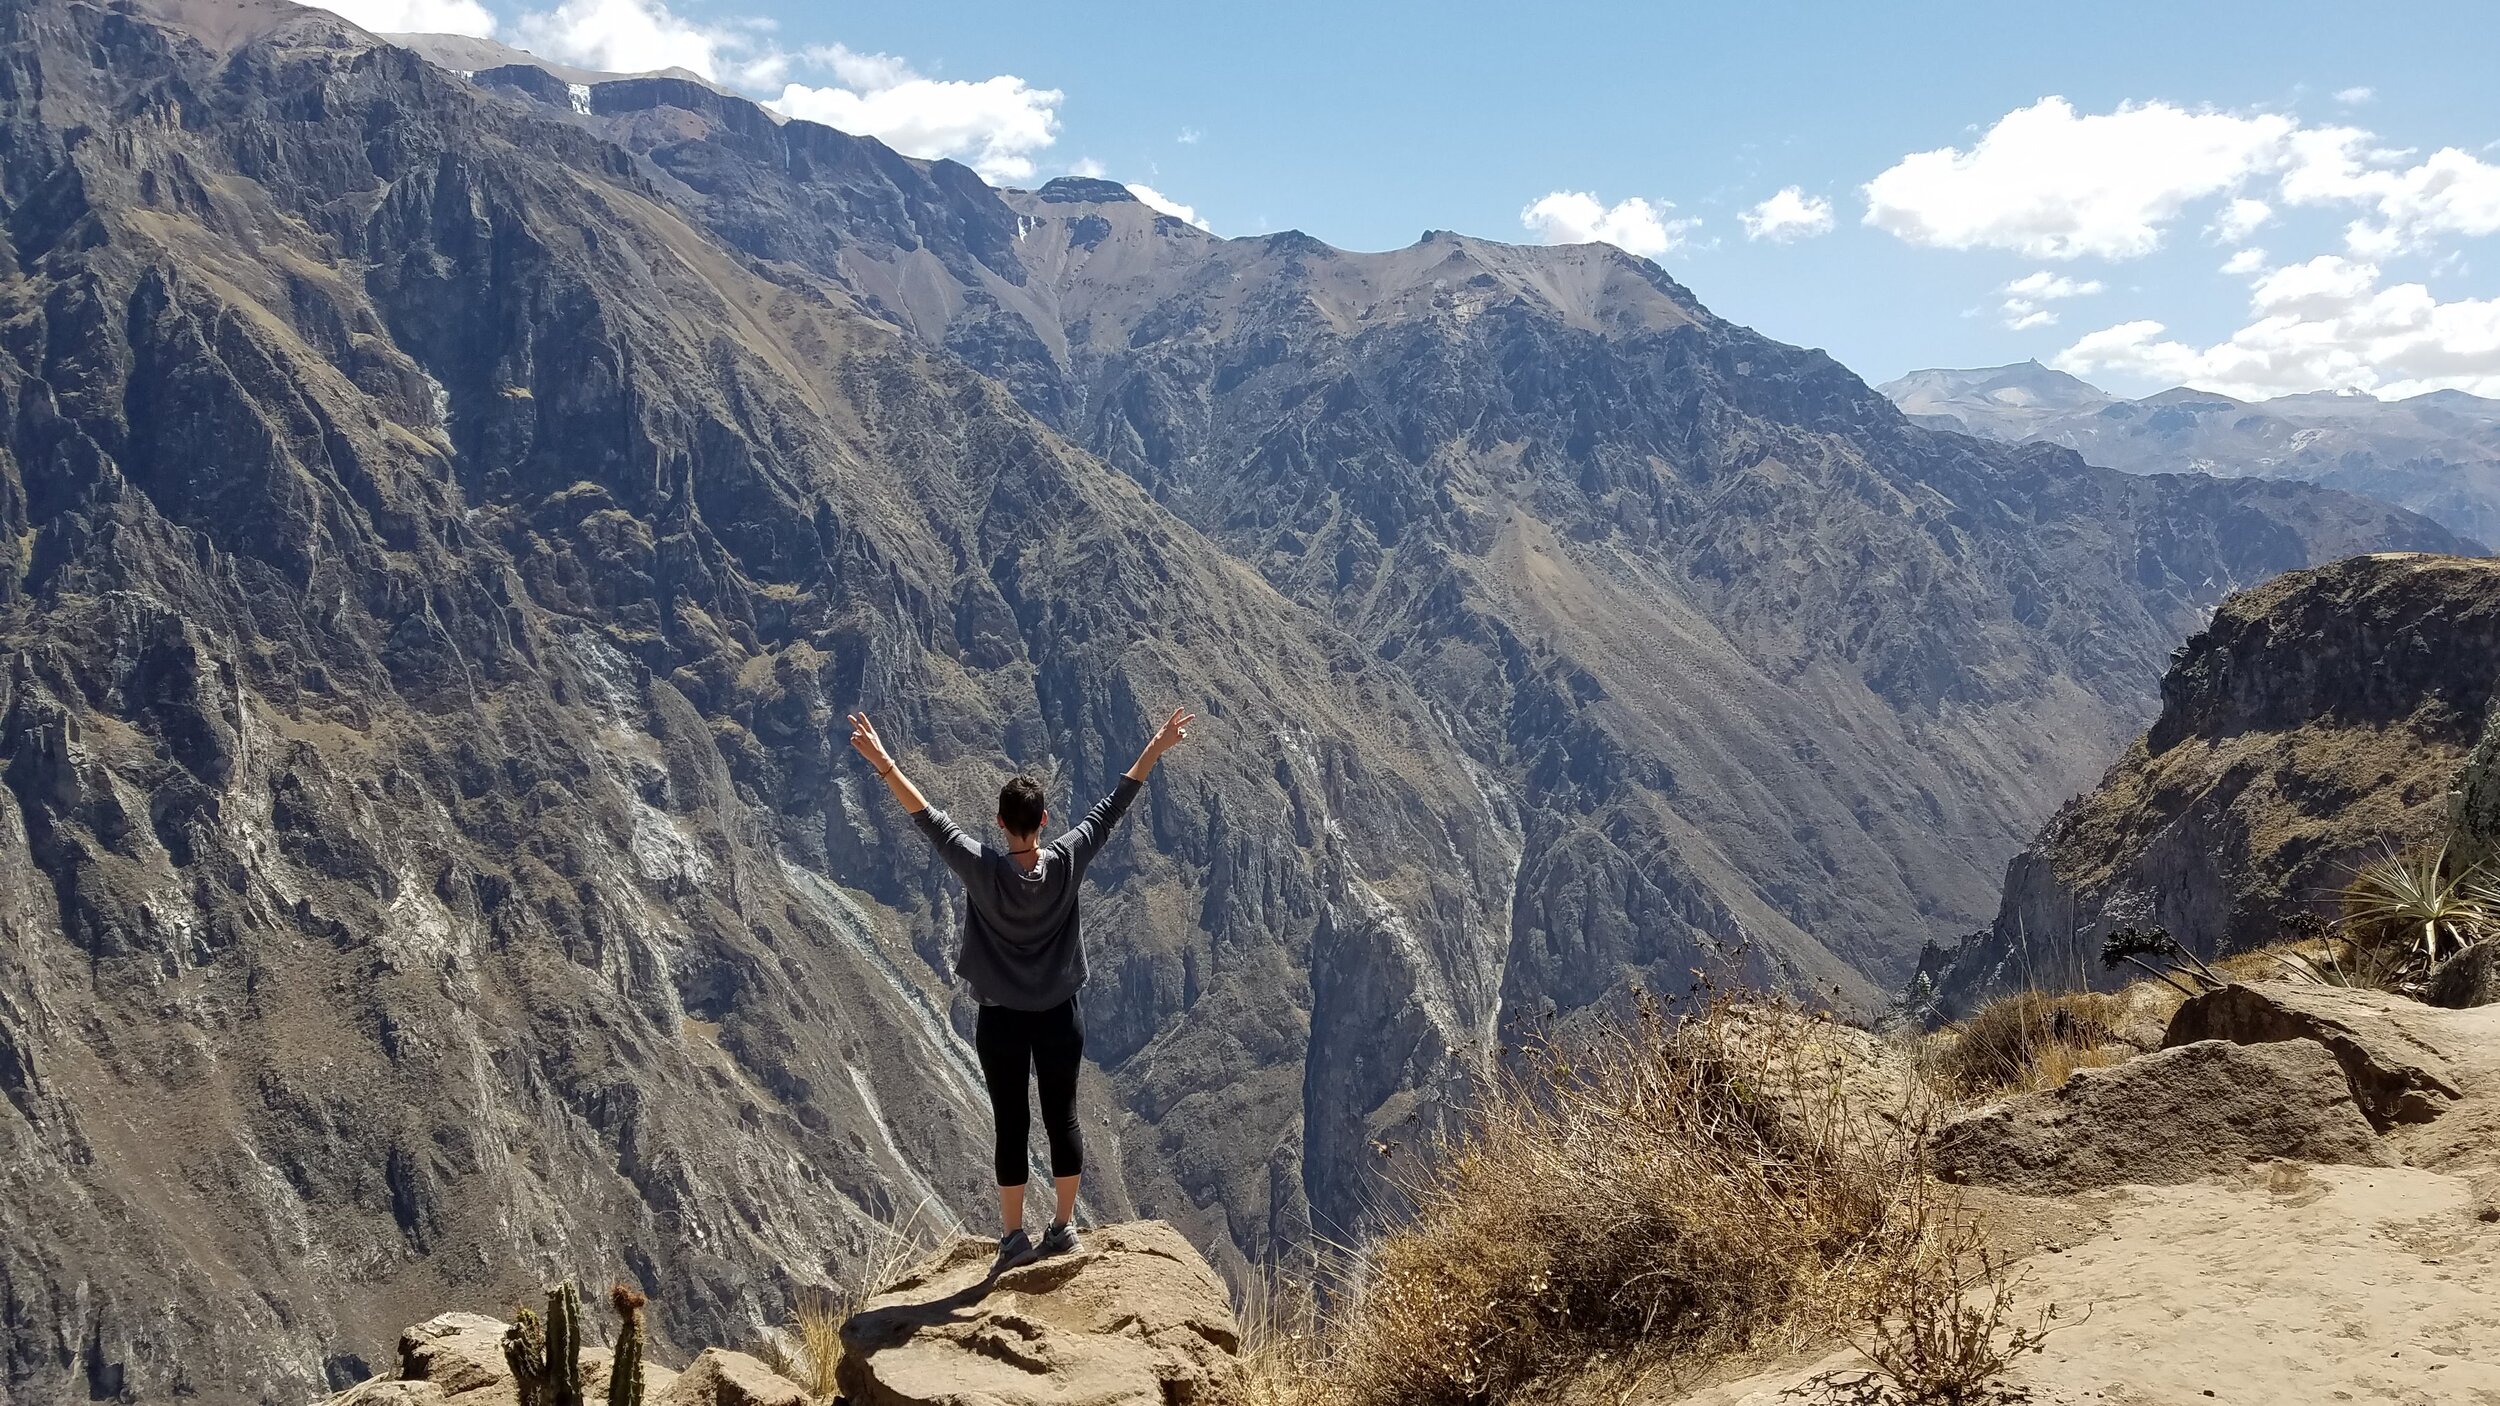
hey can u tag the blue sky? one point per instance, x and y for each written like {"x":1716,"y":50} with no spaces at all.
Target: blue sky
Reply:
{"x":2343,"y":161}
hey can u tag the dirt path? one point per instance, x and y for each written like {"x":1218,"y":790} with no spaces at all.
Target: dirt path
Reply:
{"x":2289,"y":1286}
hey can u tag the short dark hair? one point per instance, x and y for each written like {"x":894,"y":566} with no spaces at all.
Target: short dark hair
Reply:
{"x":1020,"y":806}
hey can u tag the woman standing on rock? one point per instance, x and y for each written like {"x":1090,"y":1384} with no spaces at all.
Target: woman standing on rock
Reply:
{"x":1024,"y":960}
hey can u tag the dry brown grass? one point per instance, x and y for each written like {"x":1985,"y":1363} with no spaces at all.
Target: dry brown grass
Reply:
{"x":1651,"y":1192}
{"x":808,"y":1349}
{"x":2032,"y":1040}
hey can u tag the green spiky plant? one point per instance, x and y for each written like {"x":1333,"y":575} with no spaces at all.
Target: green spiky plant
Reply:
{"x":2410,"y":911}
{"x":546,"y":1355}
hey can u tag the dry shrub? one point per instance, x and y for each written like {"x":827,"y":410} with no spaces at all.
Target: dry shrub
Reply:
{"x":808,"y":1349}
{"x":1656,"y":1187}
{"x":1944,"y":1330}
{"x":2032,"y":1040}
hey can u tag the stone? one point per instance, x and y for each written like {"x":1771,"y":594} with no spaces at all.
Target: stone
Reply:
{"x":1135,"y":1318}
{"x":456,"y":1352}
{"x":723,"y":1378}
{"x":2395,"y":1050}
{"x":2176,"y":1116}
{"x":2470,"y":978}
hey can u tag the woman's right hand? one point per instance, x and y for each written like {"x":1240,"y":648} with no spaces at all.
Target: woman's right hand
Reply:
{"x":864,"y":740}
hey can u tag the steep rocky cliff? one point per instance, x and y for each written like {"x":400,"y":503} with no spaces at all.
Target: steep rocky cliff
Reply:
{"x":432,"y":569}
{"x":442,"y":525}
{"x":2318,"y":720}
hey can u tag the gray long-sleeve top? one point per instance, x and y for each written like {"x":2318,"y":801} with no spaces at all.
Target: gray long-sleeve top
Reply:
{"x":1022,"y":948}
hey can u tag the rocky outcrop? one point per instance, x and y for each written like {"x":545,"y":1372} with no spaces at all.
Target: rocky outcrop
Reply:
{"x":2192,"y":1111}
{"x":2316,"y":721}
{"x":2407,"y":1062}
{"x":1134,"y":1318}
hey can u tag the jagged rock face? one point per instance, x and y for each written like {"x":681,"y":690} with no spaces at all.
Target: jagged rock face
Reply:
{"x":2318,"y":720}
{"x":434,"y":569}
{"x":443,"y":526}
{"x":1759,"y":663}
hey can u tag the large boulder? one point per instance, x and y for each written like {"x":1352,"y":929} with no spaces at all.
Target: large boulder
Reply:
{"x":1136,"y":1318}
{"x":2469,"y":979}
{"x":2407,"y":1061}
{"x":2170,"y":1117}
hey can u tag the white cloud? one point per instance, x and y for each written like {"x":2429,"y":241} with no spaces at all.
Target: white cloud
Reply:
{"x":2245,"y":261}
{"x":637,"y":36}
{"x":1190,"y":136}
{"x":2451,"y":192}
{"x":2323,"y":324}
{"x":2025,"y":295}
{"x":1089,"y":168}
{"x":995,"y":125}
{"x":1634,"y":225}
{"x":2240,"y":219}
{"x":1157,"y":199}
{"x":2355,"y":97}
{"x":2052,"y":183}
{"x":2045,"y":284}
{"x":414,"y":16}
{"x":1789,"y":215}
{"x":2057,"y":184}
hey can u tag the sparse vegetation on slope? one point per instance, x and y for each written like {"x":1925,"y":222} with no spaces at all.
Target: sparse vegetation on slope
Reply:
{"x":1652,"y":1188}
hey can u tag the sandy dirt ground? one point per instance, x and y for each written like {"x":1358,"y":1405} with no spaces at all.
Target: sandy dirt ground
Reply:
{"x":2287,"y":1286}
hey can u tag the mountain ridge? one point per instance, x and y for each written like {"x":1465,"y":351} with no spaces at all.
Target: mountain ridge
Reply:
{"x":2437,"y":453}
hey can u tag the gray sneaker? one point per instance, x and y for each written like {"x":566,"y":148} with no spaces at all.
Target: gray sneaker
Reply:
{"x":1015,"y":1250}
{"x":1060,"y":1239}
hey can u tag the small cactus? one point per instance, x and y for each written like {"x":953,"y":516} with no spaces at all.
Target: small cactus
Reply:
{"x":546,"y":1360}
{"x":625,"y":1371}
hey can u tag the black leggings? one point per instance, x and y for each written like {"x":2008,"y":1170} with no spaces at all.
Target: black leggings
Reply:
{"x":1047,"y":1045}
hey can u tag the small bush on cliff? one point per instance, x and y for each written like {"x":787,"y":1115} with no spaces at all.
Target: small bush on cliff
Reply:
{"x":2029,"y":1040}
{"x":1654,"y":1187}
{"x":1944,"y":1331}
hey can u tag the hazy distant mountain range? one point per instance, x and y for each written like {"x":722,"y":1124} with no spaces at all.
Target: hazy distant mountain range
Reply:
{"x":2438,"y":454}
